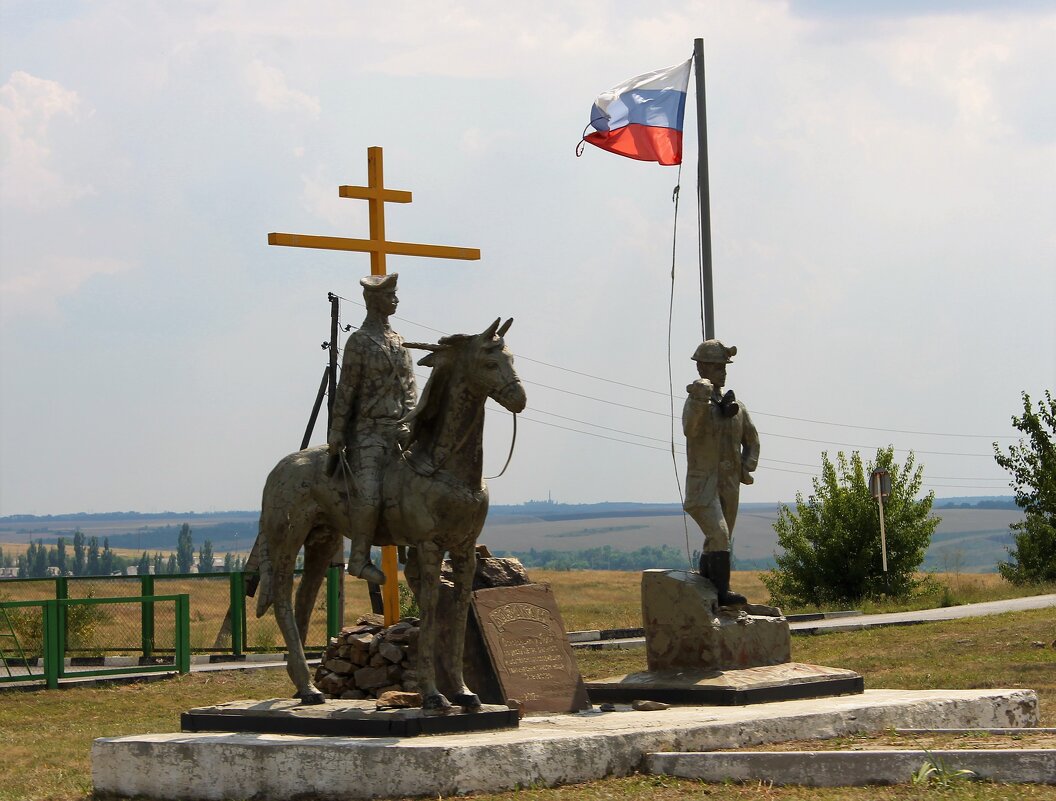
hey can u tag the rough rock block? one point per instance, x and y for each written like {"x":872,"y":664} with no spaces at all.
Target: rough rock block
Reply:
{"x":686,"y":629}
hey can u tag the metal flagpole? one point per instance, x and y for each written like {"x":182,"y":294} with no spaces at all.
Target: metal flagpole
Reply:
{"x":704,"y":193}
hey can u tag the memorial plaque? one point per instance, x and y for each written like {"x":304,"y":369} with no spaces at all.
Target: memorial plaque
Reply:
{"x":529,"y":649}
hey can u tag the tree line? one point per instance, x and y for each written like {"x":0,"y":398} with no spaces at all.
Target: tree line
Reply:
{"x":88,"y":556}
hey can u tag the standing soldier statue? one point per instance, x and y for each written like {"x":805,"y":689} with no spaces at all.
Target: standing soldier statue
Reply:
{"x":375,"y":392}
{"x":723,"y":450}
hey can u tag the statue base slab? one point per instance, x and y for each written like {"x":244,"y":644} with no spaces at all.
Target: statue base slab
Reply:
{"x":786,"y":682}
{"x":340,"y":718}
{"x":544,"y":751}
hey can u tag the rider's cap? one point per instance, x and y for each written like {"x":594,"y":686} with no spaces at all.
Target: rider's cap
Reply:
{"x":379,"y":283}
{"x":712,"y":350}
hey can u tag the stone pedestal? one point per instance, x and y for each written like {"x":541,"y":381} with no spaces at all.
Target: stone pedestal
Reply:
{"x":701,"y":653}
{"x":686,"y":629}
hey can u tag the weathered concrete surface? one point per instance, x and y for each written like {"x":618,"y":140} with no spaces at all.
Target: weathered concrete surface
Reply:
{"x":550,"y":750}
{"x":845,"y":768}
{"x":685,"y":629}
{"x":767,"y":683}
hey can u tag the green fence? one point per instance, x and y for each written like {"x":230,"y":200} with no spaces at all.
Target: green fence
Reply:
{"x":36,"y":636}
{"x":218,"y":622}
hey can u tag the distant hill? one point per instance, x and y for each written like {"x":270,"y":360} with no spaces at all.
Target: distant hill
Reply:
{"x":972,"y":537}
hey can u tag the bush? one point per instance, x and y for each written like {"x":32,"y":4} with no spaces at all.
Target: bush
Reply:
{"x":831,"y":541}
{"x":1033,"y":468}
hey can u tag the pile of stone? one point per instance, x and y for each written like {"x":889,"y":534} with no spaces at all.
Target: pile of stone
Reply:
{"x":368,"y":660}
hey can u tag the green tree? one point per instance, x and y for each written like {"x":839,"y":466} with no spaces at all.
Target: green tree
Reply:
{"x":106,"y":561}
{"x":60,"y":556}
{"x":143,"y":566}
{"x":171,"y":566}
{"x":92,"y":564}
{"x":158,"y":563}
{"x":1032,"y":464}
{"x":229,"y":562}
{"x":831,"y":541}
{"x":39,"y":565}
{"x":205,"y":557}
{"x":184,"y":549}
{"x":80,"y":563}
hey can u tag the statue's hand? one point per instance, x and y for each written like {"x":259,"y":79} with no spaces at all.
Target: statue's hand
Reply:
{"x":334,"y":446}
{"x":403,"y":436}
{"x":746,"y":477}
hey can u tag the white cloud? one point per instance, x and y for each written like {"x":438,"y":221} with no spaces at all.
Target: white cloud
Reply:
{"x":319,"y":196}
{"x":36,"y":290}
{"x":28,"y":176}
{"x":272,"y":92}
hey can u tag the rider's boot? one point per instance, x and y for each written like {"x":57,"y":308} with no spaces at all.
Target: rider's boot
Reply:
{"x":360,"y":566}
{"x":719,"y":573}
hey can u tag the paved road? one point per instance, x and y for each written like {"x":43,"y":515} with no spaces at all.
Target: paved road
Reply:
{"x":859,"y":622}
{"x":926,"y":615}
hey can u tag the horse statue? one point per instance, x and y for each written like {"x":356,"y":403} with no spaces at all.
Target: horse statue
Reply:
{"x":434,"y":500}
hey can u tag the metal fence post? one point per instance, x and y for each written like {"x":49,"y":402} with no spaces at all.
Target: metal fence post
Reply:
{"x":183,"y":633}
{"x":237,"y":611}
{"x":333,"y":601}
{"x":52,"y":652}
{"x":62,"y":592}
{"x":146,"y":615}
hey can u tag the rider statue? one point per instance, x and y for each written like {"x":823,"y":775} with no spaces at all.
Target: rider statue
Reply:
{"x":375,"y":392}
{"x":722,"y":446}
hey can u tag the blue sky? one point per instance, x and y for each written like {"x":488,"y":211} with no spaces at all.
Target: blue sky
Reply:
{"x":883,"y":184}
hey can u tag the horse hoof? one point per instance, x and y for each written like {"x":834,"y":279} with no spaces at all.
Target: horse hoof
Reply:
{"x":436,"y":705}
{"x":311,"y":697}
{"x":467,"y":700}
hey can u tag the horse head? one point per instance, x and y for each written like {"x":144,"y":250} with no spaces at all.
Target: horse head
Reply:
{"x":494,"y":371}
{"x":484,"y":360}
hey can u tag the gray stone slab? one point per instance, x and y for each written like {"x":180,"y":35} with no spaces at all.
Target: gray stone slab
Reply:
{"x":846,"y":768}
{"x":546,"y":750}
{"x":755,"y":685}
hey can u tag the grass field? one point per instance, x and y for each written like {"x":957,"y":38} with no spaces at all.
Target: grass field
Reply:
{"x":587,"y":599}
{"x":45,"y":736}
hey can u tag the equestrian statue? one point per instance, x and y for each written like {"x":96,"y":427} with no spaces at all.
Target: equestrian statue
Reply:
{"x":415,"y":480}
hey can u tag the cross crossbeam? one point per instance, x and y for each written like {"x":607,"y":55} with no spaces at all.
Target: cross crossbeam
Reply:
{"x":377,"y":195}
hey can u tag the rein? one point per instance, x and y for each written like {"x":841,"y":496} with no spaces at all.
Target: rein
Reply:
{"x":513,"y":441}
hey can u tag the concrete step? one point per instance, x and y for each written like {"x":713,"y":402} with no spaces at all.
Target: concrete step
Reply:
{"x":846,"y":768}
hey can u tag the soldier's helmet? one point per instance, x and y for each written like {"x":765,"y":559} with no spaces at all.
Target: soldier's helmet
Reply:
{"x":713,"y":351}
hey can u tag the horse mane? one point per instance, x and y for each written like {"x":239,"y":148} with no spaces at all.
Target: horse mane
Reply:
{"x":423,"y":418}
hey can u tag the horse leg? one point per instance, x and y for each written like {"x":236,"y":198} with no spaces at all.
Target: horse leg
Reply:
{"x":296,"y":664}
{"x":319,"y":548}
{"x":464,"y":563}
{"x":429,"y":558}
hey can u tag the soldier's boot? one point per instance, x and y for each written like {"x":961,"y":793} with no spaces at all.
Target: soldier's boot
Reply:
{"x":360,"y":566}
{"x":719,"y":573}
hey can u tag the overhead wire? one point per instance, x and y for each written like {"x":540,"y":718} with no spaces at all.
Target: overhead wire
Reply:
{"x":670,"y":415}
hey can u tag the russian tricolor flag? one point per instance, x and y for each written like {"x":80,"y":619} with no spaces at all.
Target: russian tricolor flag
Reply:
{"x":642,"y":118}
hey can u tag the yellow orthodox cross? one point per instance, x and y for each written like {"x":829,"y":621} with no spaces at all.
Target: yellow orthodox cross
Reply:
{"x":377,"y":195}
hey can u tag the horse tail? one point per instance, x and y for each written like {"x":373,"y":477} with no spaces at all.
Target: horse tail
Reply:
{"x":264,"y":589}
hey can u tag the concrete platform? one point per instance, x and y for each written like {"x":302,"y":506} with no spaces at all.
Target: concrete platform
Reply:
{"x":845,"y":768}
{"x":764,"y":684}
{"x":545,"y":750}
